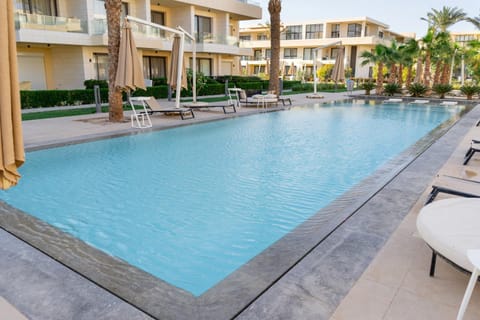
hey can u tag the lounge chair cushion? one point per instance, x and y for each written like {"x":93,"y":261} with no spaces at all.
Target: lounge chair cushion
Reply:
{"x":451,"y":227}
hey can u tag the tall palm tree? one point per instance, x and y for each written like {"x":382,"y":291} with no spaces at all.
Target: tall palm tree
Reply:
{"x":444,"y":18}
{"x":377,"y":56}
{"x":427,"y":44}
{"x":114,"y":9}
{"x":475,"y":21}
{"x":392,"y":56}
{"x":408,"y":52}
{"x":274,"y":8}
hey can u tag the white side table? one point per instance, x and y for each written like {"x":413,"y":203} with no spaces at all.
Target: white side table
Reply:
{"x":474,"y":257}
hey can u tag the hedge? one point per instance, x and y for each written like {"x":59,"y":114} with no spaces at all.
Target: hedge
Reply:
{"x":52,"y":98}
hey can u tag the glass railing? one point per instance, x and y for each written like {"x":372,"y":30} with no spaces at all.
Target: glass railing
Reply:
{"x":255,"y":3}
{"x":50,"y":23}
{"x":206,"y":38}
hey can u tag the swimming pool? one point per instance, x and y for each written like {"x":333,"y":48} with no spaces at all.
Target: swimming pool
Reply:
{"x":208,"y":198}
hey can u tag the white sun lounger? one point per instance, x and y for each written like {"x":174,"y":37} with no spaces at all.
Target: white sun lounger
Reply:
{"x":392,"y":100}
{"x":419,"y":101}
{"x":449,"y":103}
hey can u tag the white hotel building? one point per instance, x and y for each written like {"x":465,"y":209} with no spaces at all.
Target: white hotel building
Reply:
{"x":61,"y":43}
{"x":301,"y":41}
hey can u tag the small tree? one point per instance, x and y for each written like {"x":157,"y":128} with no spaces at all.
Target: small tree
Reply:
{"x":442,"y":89}
{"x":469,"y":90}
{"x":417,"y":89}
{"x":368,"y":86}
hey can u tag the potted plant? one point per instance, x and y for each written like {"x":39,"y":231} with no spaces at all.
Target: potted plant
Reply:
{"x":469,"y":90}
{"x":368,"y":86}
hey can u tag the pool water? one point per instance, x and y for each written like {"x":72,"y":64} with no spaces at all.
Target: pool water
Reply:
{"x":192,"y":204}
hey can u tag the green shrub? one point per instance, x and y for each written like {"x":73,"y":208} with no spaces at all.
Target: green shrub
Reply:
{"x":442,"y":89}
{"x":212,"y":88}
{"x":250,"y":85}
{"x":368,"y":86}
{"x":89,"y":84}
{"x":417,"y":89}
{"x":302,"y":87}
{"x":325,"y":72}
{"x":330,"y":86}
{"x":288,"y":84}
{"x":469,"y":90}
{"x":157,"y":92}
{"x":391,"y":88}
{"x":159,"y":82}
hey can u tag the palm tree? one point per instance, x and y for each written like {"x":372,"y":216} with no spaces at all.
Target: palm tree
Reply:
{"x":114,"y":9}
{"x":444,"y":18}
{"x":392,"y":55}
{"x":408,"y":52}
{"x":427,"y":44}
{"x":378,"y":57}
{"x":274,"y":8}
{"x":475,"y":21}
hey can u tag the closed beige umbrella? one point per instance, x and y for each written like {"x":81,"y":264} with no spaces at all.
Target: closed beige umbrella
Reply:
{"x":129,"y":72}
{"x":291,"y":69}
{"x":338,"y":72}
{"x":12,"y":154}
{"x":172,"y":78}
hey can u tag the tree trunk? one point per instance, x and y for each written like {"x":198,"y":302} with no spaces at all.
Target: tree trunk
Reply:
{"x":274,"y":8}
{"x":409,"y":76}
{"x":418,"y":76}
{"x":438,"y":72}
{"x":393,"y":73}
{"x":400,"y":75}
{"x":426,"y":72}
{"x":113,"y":9}
{"x":379,"y":88}
{"x":445,"y":77}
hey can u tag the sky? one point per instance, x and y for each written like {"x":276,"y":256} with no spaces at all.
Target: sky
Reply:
{"x":402,"y":16}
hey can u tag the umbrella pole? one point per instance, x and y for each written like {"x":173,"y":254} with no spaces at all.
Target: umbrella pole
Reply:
{"x":179,"y":75}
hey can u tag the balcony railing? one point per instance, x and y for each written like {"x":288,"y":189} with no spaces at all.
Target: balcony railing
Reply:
{"x":255,"y":3}
{"x":99,"y":27}
{"x":206,"y":38}
{"x":49,"y":23}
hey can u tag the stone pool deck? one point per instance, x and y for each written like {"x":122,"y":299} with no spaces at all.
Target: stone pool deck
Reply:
{"x":41,"y":288}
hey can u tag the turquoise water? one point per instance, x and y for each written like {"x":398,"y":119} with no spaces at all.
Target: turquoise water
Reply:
{"x":192,"y":204}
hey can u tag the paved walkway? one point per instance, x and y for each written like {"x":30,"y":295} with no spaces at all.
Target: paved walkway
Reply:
{"x":45,"y":289}
{"x":397,"y":284}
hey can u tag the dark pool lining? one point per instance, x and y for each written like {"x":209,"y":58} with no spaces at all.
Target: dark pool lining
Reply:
{"x":217,"y":296}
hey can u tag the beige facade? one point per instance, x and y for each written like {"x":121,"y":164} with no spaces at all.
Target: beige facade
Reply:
{"x":304,"y":43}
{"x":61,"y":43}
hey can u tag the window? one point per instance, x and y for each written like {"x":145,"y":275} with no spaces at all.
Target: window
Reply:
{"x":203,"y":28}
{"x":334,"y":53}
{"x":261,"y":37}
{"x":204,"y":65}
{"x":354,"y":30}
{"x":314,"y":31}
{"x":380,"y":34}
{"x":464,"y":38}
{"x":335,"y":31}
{"x":101,"y":65}
{"x":257,"y":54}
{"x":258,"y":69}
{"x":100,"y":11}
{"x":245,"y":38}
{"x":159,"y":18}
{"x":268,"y":53}
{"x":308,"y":53}
{"x":292,"y":33}
{"x":290,"y":53}
{"x":43,"y":7}
{"x":154,"y":67}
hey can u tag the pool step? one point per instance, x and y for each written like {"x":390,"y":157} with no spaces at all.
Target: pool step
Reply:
{"x":7,"y":311}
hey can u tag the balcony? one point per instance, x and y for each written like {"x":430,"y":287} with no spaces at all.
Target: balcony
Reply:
{"x":205,"y":38}
{"x":49,"y":23}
